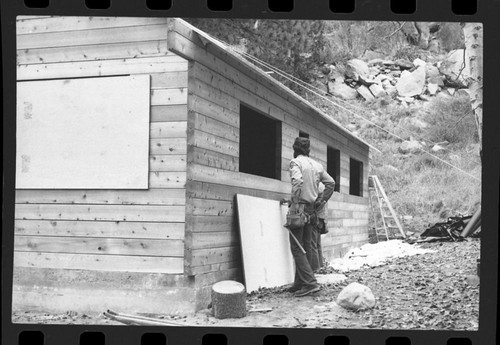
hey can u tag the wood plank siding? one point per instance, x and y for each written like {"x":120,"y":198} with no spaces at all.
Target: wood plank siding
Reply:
{"x":109,"y":230}
{"x":217,"y":85}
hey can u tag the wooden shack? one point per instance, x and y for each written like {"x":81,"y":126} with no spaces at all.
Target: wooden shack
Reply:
{"x":134,"y":136}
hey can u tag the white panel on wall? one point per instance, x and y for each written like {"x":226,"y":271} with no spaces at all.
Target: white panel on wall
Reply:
{"x":89,"y":133}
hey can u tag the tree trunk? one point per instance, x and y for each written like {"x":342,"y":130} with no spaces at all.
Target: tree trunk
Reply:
{"x":473,"y":33}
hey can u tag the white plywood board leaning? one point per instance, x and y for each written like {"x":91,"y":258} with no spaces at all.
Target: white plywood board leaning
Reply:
{"x":89,"y":133}
{"x":267,"y":260}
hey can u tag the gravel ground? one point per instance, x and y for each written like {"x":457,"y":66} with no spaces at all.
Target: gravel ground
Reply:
{"x":435,"y":291}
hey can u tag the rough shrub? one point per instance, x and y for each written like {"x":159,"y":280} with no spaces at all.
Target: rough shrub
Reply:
{"x":451,"y":120}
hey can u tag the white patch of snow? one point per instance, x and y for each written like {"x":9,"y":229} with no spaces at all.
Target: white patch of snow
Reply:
{"x":371,"y":255}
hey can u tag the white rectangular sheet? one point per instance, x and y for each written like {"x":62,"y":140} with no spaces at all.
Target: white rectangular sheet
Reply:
{"x":267,"y":260}
{"x":90,"y":133}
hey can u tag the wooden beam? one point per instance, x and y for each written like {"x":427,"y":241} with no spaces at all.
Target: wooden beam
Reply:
{"x":236,"y":179}
{"x":207,"y":207}
{"x":82,"y":37}
{"x":210,"y":256}
{"x":36,"y":25}
{"x":215,"y":111}
{"x":169,"y":80}
{"x":167,"y":163}
{"x":120,"y":263}
{"x":109,"y":197}
{"x":213,"y":159}
{"x":101,"y":68}
{"x":106,"y":229}
{"x":99,"y":245}
{"x":215,"y":127}
{"x":93,"y":52}
{"x":137,"y":213}
{"x":165,"y":113}
{"x":169,"y":96}
{"x":207,"y":141}
{"x":170,"y":146}
{"x":167,"y":179}
{"x":159,"y":130}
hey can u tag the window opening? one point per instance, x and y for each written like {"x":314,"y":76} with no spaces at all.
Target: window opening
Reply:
{"x":260,"y":144}
{"x":333,"y":165}
{"x":356,"y":177}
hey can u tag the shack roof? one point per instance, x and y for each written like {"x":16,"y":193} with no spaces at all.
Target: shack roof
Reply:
{"x":227,"y":54}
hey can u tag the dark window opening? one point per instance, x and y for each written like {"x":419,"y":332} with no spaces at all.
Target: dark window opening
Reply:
{"x":333,"y":165}
{"x":303,"y":135}
{"x":260,"y":144}
{"x":356,"y":178}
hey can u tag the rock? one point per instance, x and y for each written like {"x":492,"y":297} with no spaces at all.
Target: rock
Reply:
{"x":455,"y":69}
{"x":432,"y":88}
{"x":451,"y":91}
{"x":388,"y":62}
{"x":356,"y":68}
{"x":410,"y":146}
{"x":424,"y":98}
{"x":411,"y":83}
{"x":371,"y":55}
{"x":375,"y":61}
{"x":395,"y":74}
{"x":379,"y":79}
{"x":438,"y":148}
{"x":356,"y":296}
{"x":391,"y":90}
{"x":404,"y":64}
{"x":377,"y":90}
{"x":432,"y":72}
{"x":472,"y":280}
{"x":365,"y":93}
{"x":385,"y":83}
{"x":325,"y":69}
{"x":366,"y":81}
{"x":463,"y":93}
{"x":229,"y":299}
{"x":419,"y":62}
{"x":340,"y":89}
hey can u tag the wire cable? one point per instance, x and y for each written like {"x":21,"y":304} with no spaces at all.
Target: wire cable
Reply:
{"x":308,"y":88}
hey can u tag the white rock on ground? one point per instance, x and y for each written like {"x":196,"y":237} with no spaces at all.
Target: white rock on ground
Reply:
{"x":365,"y":93}
{"x":341,"y":90}
{"x":432,"y":88}
{"x":356,"y":68}
{"x":377,"y":90}
{"x":356,"y":296}
{"x":411,"y":83}
{"x":419,"y":62}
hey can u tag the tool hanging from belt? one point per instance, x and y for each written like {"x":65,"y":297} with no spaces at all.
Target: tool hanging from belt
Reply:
{"x":295,"y":220}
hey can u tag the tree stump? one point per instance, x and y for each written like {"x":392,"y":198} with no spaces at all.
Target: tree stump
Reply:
{"x":229,"y":300}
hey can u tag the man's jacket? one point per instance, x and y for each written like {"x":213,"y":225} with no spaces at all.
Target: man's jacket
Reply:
{"x":306,"y":174}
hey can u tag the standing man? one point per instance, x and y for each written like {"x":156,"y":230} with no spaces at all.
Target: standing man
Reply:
{"x":306,"y":174}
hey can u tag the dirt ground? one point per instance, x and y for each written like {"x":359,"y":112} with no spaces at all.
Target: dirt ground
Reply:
{"x":438,"y":290}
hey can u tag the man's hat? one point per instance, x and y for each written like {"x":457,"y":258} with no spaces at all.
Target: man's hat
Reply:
{"x":302,"y":145}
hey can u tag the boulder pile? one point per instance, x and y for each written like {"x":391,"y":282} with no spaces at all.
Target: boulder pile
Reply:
{"x":403,"y":80}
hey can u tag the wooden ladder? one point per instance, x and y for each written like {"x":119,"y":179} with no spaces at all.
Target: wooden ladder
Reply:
{"x":381,"y":208}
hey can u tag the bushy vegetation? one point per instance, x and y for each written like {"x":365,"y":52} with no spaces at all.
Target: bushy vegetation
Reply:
{"x":426,"y":186}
